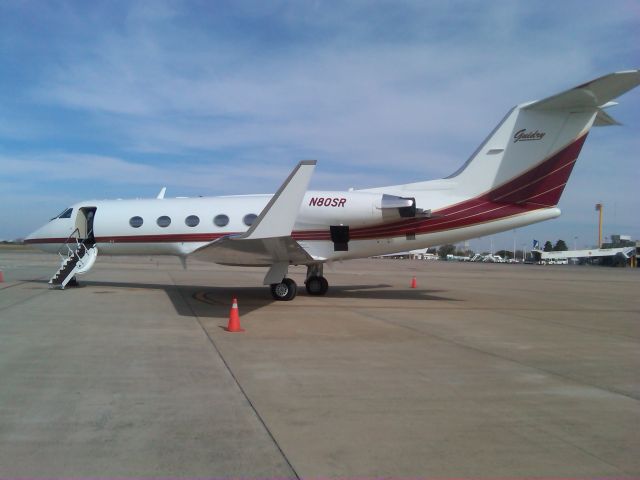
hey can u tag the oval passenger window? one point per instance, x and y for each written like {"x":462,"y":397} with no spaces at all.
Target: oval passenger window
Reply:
{"x":192,"y":221}
{"x":221,"y":220}
{"x":164,"y":221}
{"x":136,"y":222}
{"x":249,"y":219}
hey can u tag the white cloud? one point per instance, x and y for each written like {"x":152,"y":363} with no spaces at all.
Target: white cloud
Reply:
{"x":377,"y":93}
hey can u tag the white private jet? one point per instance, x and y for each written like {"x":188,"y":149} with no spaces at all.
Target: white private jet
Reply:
{"x":515,"y":178}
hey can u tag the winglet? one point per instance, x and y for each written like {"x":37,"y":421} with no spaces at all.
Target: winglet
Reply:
{"x":279,"y":216}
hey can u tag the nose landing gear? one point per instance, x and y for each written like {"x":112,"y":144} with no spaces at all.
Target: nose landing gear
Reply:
{"x":285,"y":290}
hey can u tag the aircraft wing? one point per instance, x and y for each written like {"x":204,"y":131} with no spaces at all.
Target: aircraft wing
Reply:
{"x":268,"y":241}
{"x":253,"y":252}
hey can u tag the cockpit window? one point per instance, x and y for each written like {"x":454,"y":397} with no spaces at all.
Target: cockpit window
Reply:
{"x":53,"y":218}
{"x":66,"y":213}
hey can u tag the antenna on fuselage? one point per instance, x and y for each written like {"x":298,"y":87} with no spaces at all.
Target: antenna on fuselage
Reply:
{"x":161,"y":194}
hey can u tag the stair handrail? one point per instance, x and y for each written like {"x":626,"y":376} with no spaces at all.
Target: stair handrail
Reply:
{"x":89,"y":234}
{"x":66,"y":244}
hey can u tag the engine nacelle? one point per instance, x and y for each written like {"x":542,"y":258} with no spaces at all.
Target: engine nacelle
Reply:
{"x":355,"y":209}
{"x":405,"y":206}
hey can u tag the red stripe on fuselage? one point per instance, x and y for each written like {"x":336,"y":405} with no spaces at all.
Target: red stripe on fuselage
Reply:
{"x":539,"y":187}
{"x":551,"y":173}
{"x":176,"y":237}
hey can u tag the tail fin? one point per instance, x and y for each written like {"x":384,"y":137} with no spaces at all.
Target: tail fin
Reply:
{"x":529,"y":156}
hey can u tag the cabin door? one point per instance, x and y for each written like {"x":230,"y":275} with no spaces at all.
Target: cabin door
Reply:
{"x":84,"y":224}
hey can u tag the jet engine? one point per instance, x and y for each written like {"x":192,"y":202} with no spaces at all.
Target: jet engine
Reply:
{"x":355,"y":209}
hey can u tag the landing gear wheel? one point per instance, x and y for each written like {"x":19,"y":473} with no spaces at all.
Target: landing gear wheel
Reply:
{"x":73,"y":282}
{"x":285,"y":290}
{"x":317,"y":285}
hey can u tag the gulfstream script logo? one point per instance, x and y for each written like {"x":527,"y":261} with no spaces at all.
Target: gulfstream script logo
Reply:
{"x":524,"y":136}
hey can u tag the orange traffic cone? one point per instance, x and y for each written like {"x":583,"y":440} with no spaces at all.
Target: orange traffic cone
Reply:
{"x":414,"y":283}
{"x":234,"y":318}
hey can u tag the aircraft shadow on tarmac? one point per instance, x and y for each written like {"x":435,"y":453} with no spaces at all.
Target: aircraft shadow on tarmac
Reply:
{"x":211,"y":301}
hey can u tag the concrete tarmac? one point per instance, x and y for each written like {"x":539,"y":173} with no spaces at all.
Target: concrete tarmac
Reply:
{"x":484,"y":370}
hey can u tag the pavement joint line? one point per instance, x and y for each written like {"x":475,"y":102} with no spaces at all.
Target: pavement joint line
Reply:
{"x":206,"y":297}
{"x":577,"y":447}
{"x":24,"y":300}
{"x":476,"y":349}
{"x":235,"y":379}
{"x":501,"y":357}
{"x":500,"y":309}
{"x":22,"y":283}
{"x":578,"y":327}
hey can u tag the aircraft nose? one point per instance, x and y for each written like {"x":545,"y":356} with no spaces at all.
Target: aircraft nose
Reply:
{"x":29,"y":237}
{"x":32,"y":236}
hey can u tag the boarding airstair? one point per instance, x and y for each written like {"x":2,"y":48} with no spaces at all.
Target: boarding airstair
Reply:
{"x":79,"y":259}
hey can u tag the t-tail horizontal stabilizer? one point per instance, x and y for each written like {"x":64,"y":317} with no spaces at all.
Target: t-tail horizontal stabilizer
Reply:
{"x":596,"y":94}
{"x":268,"y":242}
{"x":528,"y":158}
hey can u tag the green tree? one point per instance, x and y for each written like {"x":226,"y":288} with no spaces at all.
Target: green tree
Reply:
{"x":560,"y":246}
{"x":548,"y":247}
{"x":445,"y":250}
{"x":504,"y":253}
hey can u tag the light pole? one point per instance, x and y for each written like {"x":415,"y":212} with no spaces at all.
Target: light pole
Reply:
{"x":599,"y":210}
{"x":574,"y":242}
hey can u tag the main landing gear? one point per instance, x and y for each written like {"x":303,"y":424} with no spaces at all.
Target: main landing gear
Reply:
{"x":315,"y":284}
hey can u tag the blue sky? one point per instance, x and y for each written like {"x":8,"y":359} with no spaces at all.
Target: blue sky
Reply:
{"x":117,"y":99}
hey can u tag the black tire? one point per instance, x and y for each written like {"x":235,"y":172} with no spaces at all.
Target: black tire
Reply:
{"x":317,"y":285}
{"x":285,"y":290}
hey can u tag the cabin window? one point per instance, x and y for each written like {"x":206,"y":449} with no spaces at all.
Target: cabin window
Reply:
{"x":136,"y":222}
{"x":192,"y":221}
{"x":221,"y":220}
{"x":249,"y":219}
{"x":164,"y":221}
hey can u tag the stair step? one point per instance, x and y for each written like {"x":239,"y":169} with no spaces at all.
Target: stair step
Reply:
{"x":68,"y":267}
